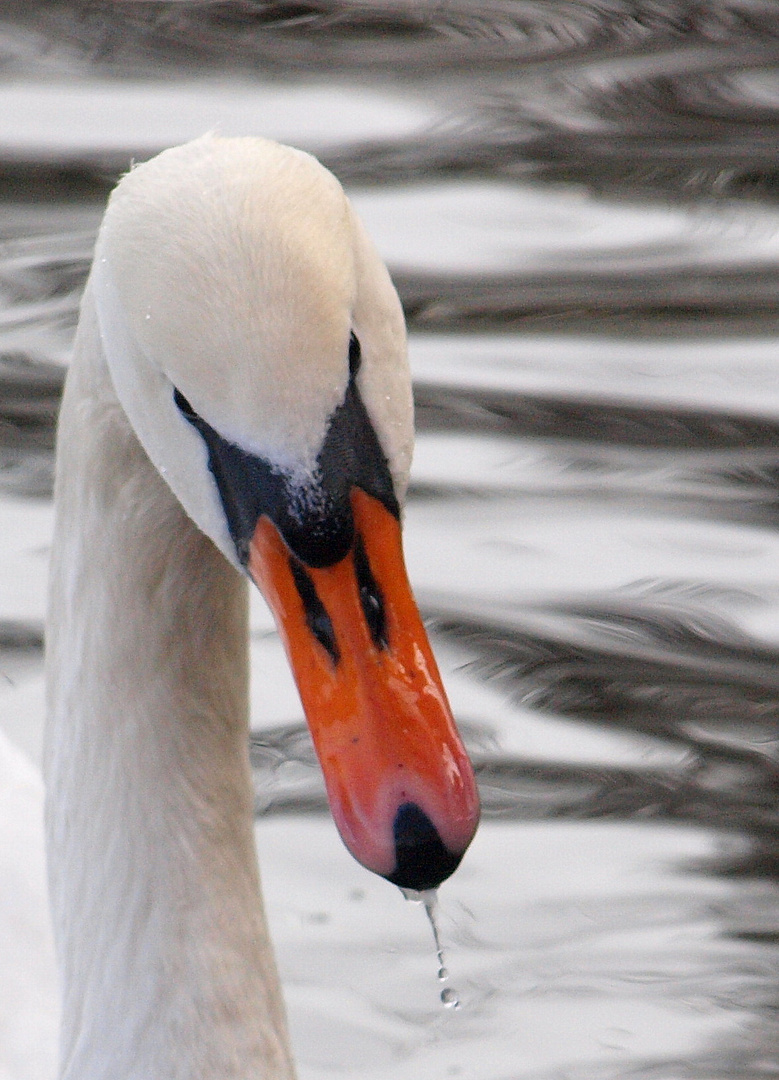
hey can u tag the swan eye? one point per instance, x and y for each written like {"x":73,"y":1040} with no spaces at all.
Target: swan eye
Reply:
{"x":183,"y":405}
{"x":371,"y":599}
{"x":355,"y":356}
{"x":317,"y":619}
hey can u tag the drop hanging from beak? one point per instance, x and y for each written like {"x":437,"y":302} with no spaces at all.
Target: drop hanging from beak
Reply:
{"x":400,"y":785}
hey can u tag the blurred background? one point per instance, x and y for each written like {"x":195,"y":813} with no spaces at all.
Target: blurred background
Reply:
{"x":579,"y":203}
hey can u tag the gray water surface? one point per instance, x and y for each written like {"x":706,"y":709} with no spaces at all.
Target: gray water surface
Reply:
{"x":578,"y":202}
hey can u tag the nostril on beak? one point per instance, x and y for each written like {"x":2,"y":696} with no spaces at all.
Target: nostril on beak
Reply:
{"x":422,"y":859}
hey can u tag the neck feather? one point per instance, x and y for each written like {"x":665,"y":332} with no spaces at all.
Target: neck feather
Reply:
{"x":162,"y":943}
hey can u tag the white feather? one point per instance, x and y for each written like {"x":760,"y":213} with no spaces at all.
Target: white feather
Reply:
{"x":234,"y":270}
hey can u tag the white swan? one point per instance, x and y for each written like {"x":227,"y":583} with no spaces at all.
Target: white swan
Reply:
{"x":239,"y":401}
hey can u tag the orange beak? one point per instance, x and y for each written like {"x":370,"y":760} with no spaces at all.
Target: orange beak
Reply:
{"x":400,"y":785}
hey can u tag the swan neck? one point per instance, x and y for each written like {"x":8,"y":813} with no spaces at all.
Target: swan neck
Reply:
{"x":162,"y":943}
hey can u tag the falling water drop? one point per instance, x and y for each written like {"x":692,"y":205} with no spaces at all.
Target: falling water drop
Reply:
{"x":449,"y":997}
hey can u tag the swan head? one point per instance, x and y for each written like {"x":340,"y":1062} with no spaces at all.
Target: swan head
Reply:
{"x":257,"y":345}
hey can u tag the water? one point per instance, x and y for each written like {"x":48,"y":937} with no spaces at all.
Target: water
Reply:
{"x":578,"y":203}
{"x":429,"y":899}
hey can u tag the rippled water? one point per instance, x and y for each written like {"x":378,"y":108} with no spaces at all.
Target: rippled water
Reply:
{"x":578,"y":203}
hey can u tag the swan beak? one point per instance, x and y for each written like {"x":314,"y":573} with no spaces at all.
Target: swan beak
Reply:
{"x":400,"y":785}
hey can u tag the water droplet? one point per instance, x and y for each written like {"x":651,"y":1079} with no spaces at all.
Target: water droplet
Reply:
{"x":429,"y":898}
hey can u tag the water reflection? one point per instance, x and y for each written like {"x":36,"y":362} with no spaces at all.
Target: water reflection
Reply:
{"x":584,"y":235}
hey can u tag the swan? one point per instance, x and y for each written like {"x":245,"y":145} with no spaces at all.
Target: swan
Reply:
{"x":238,"y":407}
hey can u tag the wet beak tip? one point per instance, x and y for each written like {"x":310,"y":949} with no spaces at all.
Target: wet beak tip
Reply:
{"x":422,"y":859}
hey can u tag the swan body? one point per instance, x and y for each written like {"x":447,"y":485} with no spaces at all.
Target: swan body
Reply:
{"x":28,"y":1018}
{"x":238,"y":406}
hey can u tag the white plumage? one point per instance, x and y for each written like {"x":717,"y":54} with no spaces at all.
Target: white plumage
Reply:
{"x":235,"y":272}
